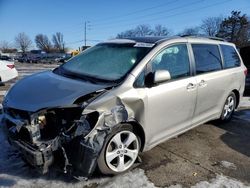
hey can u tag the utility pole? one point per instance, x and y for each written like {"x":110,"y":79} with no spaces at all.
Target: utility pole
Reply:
{"x":85,"y":32}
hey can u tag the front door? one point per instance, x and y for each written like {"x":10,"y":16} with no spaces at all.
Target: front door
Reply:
{"x":171,"y":104}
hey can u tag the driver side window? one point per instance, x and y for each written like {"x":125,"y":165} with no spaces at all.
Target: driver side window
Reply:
{"x":174,"y":59}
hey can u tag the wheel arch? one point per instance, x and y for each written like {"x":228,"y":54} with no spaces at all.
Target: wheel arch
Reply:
{"x":138,"y":129}
{"x":237,"y":94}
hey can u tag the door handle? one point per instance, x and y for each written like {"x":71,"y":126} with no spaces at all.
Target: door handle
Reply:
{"x":191,"y":86}
{"x":203,"y":83}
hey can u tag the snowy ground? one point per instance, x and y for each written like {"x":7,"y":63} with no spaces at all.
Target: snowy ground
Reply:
{"x":15,"y":173}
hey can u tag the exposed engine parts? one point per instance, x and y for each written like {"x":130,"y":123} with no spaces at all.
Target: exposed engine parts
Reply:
{"x":69,"y":136}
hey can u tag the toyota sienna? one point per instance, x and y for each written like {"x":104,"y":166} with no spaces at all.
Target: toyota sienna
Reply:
{"x":119,"y":98}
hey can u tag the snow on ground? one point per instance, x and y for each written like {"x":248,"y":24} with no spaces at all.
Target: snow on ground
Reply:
{"x":135,"y":178}
{"x":228,"y":165}
{"x":221,"y":182}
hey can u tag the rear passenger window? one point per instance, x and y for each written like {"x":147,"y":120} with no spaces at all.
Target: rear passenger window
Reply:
{"x":207,"y":58}
{"x":230,"y":56}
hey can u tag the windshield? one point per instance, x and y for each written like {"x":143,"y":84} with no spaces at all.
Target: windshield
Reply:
{"x":109,"y":62}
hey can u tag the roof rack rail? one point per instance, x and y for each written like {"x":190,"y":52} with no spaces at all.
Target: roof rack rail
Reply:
{"x":217,"y":38}
{"x":204,"y":36}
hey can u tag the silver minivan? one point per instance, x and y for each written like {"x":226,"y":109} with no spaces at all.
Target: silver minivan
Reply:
{"x":119,"y":98}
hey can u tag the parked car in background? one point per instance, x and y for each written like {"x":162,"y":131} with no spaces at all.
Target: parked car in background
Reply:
{"x":33,"y":59}
{"x":65,"y":58}
{"x":119,"y":98}
{"x":245,"y":54}
{"x":7,"y":71}
{"x":22,"y":59}
{"x":5,"y":57}
{"x":47,"y":60}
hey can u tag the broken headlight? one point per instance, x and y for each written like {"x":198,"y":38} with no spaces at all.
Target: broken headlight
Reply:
{"x":41,"y":121}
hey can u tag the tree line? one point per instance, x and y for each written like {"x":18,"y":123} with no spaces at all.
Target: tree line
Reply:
{"x":24,"y":43}
{"x":234,"y":28}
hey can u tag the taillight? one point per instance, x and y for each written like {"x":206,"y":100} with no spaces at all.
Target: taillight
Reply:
{"x":11,"y":66}
{"x":245,"y":72}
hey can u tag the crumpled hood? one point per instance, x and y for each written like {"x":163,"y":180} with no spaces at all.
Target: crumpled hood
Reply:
{"x":47,"y":89}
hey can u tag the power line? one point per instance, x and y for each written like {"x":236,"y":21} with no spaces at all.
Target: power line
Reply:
{"x":153,"y":14}
{"x":79,"y":25}
{"x":136,"y":12}
{"x":82,"y":41}
{"x":172,"y":15}
{"x":74,"y":42}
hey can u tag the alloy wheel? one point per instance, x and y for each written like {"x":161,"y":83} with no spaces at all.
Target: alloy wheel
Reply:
{"x":122,"y":151}
{"x":229,"y":107}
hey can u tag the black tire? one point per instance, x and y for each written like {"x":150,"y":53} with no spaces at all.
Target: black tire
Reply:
{"x":101,"y":162}
{"x":228,"y":117}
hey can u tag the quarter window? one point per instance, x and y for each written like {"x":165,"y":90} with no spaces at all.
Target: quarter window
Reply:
{"x":230,"y":56}
{"x":207,"y":58}
{"x":174,"y":59}
{"x":140,"y":80}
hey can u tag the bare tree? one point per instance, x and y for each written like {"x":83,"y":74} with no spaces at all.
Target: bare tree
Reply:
{"x":191,"y":31}
{"x":126,"y":34}
{"x":43,"y":43}
{"x":58,"y":41}
{"x":4,"y":45}
{"x":211,"y":26}
{"x":143,"y":30}
{"x":139,"y":31}
{"x":160,"y":30}
{"x":23,"y":42}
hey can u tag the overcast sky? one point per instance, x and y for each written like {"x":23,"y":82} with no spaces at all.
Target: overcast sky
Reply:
{"x":106,"y":18}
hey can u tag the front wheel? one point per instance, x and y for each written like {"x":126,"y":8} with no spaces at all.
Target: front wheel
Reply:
{"x":228,"y":108}
{"x":120,"y":151}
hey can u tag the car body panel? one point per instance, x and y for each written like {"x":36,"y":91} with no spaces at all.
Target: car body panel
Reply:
{"x":213,"y":89}
{"x":172,"y":112}
{"x":47,"y":89}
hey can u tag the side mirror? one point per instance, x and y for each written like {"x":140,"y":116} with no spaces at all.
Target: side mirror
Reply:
{"x":161,"y":76}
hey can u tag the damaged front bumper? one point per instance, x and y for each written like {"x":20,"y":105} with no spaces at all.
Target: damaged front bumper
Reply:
{"x":41,"y":159}
{"x":74,"y":147}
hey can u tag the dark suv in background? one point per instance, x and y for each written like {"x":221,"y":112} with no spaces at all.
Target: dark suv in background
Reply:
{"x":245,"y":54}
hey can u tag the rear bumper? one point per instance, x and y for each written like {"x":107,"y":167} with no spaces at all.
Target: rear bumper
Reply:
{"x":8,"y":75}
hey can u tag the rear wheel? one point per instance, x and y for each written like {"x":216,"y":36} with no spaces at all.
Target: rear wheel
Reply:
{"x":120,"y":151}
{"x":228,"y":108}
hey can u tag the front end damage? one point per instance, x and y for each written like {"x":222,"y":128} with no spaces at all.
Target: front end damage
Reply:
{"x":70,"y":138}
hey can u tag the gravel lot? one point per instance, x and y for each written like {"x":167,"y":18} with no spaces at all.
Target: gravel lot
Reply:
{"x":211,"y":155}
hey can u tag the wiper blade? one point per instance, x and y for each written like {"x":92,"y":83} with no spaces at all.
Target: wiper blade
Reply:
{"x":94,"y":80}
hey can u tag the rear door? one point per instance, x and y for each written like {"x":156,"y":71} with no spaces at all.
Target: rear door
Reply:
{"x":211,"y":81}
